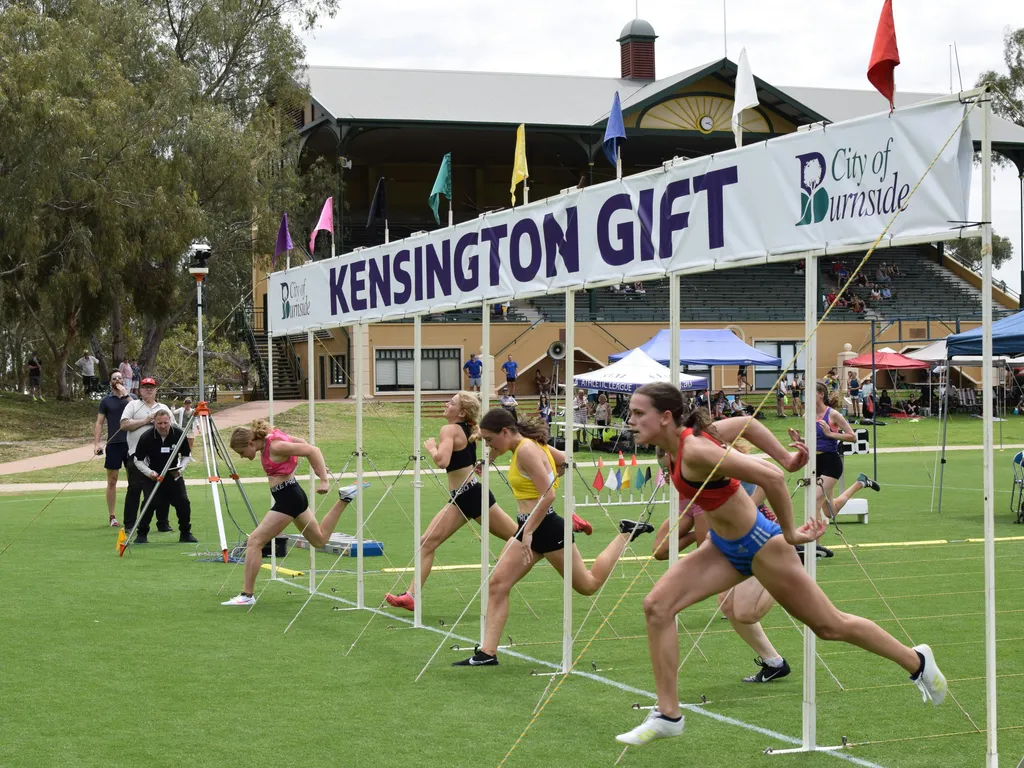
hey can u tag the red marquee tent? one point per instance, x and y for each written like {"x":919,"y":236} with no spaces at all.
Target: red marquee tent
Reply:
{"x":885,"y":361}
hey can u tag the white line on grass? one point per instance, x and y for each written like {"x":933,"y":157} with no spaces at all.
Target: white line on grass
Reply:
{"x":607,"y":681}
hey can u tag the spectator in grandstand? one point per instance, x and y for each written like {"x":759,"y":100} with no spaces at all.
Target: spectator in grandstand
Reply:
{"x":86,"y":364}
{"x":834,"y":300}
{"x":876,"y":295}
{"x":800,"y":267}
{"x":882,"y":276}
{"x":510,"y":367}
{"x":861,"y":279}
{"x":473,"y":368}
{"x":886,"y":293}
{"x":894,"y":270}
{"x":857,"y":304}
{"x":639,"y":288}
{"x":842,"y":272}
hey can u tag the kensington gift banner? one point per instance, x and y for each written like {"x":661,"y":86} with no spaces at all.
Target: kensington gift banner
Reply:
{"x":837,"y":186}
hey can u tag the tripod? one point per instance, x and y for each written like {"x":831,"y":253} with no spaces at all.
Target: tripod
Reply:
{"x":213,"y":446}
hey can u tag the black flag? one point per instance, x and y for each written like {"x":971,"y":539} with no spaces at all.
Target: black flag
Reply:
{"x":379,"y":206}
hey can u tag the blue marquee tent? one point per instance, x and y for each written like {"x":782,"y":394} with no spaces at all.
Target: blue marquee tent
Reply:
{"x":1007,"y":338}
{"x":704,"y":346}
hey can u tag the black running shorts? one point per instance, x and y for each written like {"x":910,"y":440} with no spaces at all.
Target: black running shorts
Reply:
{"x":116,"y":456}
{"x":468,"y":498}
{"x":289,"y":498}
{"x":550,"y":534}
{"x":830,"y":464}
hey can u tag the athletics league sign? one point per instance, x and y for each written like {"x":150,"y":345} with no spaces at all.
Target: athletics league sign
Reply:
{"x":837,"y":186}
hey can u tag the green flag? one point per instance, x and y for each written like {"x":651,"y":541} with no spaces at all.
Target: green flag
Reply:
{"x":638,"y":478}
{"x":442,"y":185}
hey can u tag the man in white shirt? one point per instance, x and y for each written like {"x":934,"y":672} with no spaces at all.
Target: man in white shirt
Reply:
{"x":87,"y":365}
{"x":137,"y":417}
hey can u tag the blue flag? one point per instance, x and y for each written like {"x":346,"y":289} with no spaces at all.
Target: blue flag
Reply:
{"x":379,"y":204}
{"x":615,"y":132}
{"x":284,"y":239}
{"x":442,"y":185}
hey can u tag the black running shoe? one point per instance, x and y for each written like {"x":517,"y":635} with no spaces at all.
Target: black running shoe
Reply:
{"x":187,"y":538}
{"x":821,"y":551}
{"x":635,"y":528}
{"x":164,"y":529}
{"x":141,"y":538}
{"x":478,"y":659}
{"x":767,"y":673}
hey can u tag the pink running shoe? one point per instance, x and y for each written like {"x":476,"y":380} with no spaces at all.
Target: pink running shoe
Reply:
{"x":404,"y":600}
{"x":579,"y":525}
{"x":114,"y":523}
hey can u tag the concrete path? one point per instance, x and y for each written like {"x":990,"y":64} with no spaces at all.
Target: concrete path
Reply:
{"x":229,"y":417}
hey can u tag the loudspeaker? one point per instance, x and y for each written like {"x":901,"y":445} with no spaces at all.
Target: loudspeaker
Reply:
{"x":556,"y":350}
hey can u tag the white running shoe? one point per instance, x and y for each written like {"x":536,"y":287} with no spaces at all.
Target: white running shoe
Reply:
{"x":931,"y":682}
{"x":654,"y":727}
{"x":241,"y":600}
{"x":348,"y":493}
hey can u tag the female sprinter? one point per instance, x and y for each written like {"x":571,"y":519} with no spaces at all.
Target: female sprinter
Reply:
{"x":531,"y":474}
{"x":279,"y":454}
{"x":745,"y":604}
{"x":740,"y":543}
{"x":831,"y":428}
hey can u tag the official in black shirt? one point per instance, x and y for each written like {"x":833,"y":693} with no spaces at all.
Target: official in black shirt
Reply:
{"x":151,"y":454}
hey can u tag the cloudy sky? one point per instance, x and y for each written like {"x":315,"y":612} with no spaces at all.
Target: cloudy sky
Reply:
{"x":788,"y":42}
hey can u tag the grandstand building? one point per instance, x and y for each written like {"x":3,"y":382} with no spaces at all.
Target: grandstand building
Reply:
{"x":397,"y":124}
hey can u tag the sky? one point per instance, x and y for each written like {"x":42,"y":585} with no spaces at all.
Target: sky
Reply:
{"x":788,"y":42}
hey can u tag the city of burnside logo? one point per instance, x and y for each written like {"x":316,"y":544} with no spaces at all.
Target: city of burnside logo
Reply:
{"x":294,"y":302}
{"x":852,"y":185}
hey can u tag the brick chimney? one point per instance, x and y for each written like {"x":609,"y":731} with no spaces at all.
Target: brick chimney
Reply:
{"x":637,"y":50}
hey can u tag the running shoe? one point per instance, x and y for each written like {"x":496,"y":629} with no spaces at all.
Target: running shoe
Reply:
{"x":114,"y":523}
{"x":404,"y":600}
{"x":579,"y":525}
{"x":241,"y":600}
{"x":653,"y":728}
{"x":187,"y":538}
{"x":767,"y":672}
{"x":768,"y":514}
{"x":867,"y":482}
{"x":164,"y":529}
{"x":478,"y":659}
{"x":635,"y":528}
{"x":348,"y":493}
{"x":931,"y":682}
{"x":141,"y":538}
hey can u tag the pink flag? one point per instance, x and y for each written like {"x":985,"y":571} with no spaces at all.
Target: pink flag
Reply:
{"x":326,"y":222}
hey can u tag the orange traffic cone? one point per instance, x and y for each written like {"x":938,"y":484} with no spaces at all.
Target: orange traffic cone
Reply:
{"x":622,"y":459}
{"x":632,"y":463}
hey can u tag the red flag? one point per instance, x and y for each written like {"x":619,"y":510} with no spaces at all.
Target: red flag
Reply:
{"x":599,"y":482}
{"x":884,"y":56}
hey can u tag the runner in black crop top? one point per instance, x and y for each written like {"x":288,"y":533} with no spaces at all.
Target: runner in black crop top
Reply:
{"x":464,"y":457}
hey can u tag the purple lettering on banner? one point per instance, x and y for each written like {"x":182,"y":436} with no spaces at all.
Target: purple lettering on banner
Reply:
{"x":380,"y":281}
{"x":439,"y":269}
{"x":566,"y":243}
{"x":713,"y":183}
{"x":612,"y":256}
{"x":524,"y":273}
{"x":494,"y":236}
{"x":466,"y":281}
{"x":672,"y":222}
{"x":337,"y":289}
{"x":357,"y":284}
{"x":417,"y":265}
{"x":646,"y":212}
{"x":400,"y":267}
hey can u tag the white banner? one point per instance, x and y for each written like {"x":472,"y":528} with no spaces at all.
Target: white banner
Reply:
{"x":834,"y":187}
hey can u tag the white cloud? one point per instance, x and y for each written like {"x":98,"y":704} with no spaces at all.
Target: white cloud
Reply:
{"x":788,"y":42}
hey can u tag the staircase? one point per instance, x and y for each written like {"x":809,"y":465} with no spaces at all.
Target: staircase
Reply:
{"x":286,"y":382}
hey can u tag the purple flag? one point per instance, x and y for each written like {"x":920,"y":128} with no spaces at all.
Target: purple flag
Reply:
{"x":284,"y":239}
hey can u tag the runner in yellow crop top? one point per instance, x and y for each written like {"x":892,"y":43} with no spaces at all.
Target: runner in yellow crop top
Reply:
{"x":533,"y":478}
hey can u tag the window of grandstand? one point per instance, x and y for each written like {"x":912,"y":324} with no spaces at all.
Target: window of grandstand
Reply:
{"x":441,"y":370}
{"x":338,"y":370}
{"x":764,"y":377}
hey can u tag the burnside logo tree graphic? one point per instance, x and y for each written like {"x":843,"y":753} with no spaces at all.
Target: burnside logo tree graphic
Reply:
{"x":294,"y":302}
{"x":861,"y":185}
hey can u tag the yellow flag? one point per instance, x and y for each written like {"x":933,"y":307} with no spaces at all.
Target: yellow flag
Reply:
{"x":519,"y":170}
{"x":121,"y":539}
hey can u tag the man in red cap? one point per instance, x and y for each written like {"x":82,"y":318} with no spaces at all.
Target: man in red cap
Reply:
{"x":136,"y":419}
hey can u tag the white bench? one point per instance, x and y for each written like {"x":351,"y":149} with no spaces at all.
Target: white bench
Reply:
{"x":855,"y":508}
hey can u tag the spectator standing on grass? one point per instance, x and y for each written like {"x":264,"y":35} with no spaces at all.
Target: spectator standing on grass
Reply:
{"x":474,"y":368}
{"x":137,"y":378}
{"x":150,"y":457}
{"x":511,"y":368}
{"x":35,"y":378}
{"x":137,"y":417}
{"x":116,"y":448}
{"x":125,"y":369}
{"x":780,"y":397}
{"x":853,"y":383}
{"x":87,"y":365}
{"x":797,"y":392}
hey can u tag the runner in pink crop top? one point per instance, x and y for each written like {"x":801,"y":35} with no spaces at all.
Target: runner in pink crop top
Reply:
{"x":277,"y":468}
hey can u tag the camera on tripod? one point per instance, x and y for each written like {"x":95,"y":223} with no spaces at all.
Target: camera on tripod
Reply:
{"x":201,"y":253}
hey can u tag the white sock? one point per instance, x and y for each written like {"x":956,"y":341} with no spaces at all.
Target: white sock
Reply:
{"x":777,"y":662}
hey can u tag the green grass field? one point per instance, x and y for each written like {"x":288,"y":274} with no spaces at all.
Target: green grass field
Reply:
{"x":132,"y":661}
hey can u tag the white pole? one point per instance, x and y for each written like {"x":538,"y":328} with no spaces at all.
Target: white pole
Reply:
{"x":810,"y":712}
{"x":618,"y":161}
{"x":486,"y":382}
{"x":674,"y":311}
{"x":570,"y":359}
{"x":310,"y":393}
{"x":387,"y":234}
{"x":270,"y":360}
{"x":992,"y":754}
{"x":417,"y":371}
{"x":360,"y":382}
{"x":450,"y":219}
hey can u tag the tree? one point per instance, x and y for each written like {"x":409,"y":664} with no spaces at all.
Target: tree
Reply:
{"x":1008,"y":98}
{"x":968,"y":251}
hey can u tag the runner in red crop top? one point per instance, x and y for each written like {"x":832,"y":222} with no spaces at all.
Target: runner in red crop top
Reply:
{"x":279,"y":455}
{"x":657,"y":413}
{"x":715,"y":492}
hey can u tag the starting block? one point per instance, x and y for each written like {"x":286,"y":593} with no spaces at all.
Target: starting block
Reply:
{"x":857,"y":508}
{"x":341,"y":544}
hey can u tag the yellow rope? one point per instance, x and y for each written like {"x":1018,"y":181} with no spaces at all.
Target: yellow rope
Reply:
{"x":540,"y":710}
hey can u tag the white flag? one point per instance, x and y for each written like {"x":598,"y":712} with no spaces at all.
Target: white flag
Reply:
{"x":745,"y":97}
